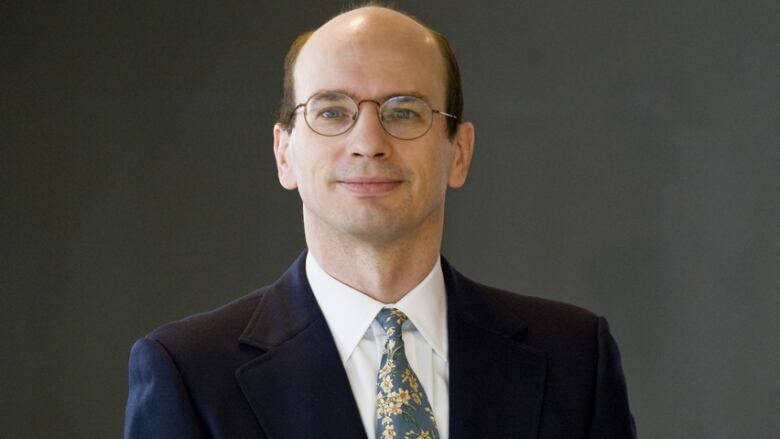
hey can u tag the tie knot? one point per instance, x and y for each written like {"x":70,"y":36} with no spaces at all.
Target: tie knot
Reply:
{"x":391,"y":320}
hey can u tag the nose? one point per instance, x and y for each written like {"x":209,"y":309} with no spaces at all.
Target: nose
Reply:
{"x":368,"y":138}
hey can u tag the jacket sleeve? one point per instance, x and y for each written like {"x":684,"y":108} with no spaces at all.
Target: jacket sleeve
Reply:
{"x":158,"y":404}
{"x":611,"y":415}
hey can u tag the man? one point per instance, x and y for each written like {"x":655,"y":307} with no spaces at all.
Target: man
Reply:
{"x":371,"y":333}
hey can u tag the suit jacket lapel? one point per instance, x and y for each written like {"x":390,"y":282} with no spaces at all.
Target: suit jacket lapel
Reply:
{"x":496,"y":381}
{"x":297,"y":386}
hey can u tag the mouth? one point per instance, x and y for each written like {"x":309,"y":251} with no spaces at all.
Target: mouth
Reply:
{"x":369,"y":185}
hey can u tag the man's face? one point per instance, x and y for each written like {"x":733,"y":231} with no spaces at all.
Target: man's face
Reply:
{"x":366,"y":183}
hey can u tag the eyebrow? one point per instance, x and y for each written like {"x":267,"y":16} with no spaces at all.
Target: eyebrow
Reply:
{"x":380,"y":98}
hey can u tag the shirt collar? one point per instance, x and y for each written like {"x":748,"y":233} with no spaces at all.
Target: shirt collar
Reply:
{"x":426,"y":307}
{"x":349,"y":312}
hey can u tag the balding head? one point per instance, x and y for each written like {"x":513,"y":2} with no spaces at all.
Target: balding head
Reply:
{"x":361,"y":37}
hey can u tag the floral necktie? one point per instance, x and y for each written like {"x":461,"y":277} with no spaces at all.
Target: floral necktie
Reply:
{"x":402,"y":409}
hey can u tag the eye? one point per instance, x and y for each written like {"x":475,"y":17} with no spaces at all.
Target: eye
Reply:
{"x":332,"y":113}
{"x":404,"y":114}
{"x":405,"y":110}
{"x":401,"y":114}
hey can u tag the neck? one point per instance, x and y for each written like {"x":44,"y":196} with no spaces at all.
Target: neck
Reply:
{"x":383,"y":270}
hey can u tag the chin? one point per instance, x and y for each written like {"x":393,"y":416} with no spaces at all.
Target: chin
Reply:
{"x":374,"y":231}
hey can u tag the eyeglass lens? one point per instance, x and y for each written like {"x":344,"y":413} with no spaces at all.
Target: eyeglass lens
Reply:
{"x":404,"y":117}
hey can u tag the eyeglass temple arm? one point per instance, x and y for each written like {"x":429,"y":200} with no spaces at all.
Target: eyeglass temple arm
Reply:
{"x":445,"y":114}
{"x":295,"y":110}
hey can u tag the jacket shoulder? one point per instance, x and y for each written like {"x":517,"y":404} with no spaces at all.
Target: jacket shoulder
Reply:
{"x":549,"y":324}
{"x":217,"y":328}
{"x":537,"y":309}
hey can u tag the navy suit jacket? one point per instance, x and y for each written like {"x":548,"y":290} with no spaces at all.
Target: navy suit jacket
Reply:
{"x":266,"y":366}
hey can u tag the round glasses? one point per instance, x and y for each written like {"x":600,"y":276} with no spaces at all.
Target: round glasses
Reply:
{"x":403,"y":117}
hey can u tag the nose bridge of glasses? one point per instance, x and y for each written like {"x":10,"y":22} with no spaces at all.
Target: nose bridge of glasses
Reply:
{"x":370,"y":140}
{"x":359,"y":108}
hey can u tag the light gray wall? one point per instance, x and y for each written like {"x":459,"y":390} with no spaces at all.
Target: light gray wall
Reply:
{"x":626,"y":161}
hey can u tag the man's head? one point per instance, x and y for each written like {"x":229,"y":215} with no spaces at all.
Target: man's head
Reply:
{"x":454,"y":102}
{"x":366,"y":183}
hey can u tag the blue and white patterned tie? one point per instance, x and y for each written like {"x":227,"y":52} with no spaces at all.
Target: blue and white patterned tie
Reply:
{"x":402,"y":409}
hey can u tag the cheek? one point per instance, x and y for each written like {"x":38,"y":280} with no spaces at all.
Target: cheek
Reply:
{"x":443,"y":163}
{"x":310,"y":169}
{"x":435,"y":169}
{"x":304,"y":173}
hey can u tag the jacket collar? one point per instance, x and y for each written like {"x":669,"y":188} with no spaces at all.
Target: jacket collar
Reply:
{"x":496,"y":381}
{"x":298,"y":388}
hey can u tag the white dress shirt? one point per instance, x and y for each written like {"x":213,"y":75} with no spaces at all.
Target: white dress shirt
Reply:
{"x":360,"y":338}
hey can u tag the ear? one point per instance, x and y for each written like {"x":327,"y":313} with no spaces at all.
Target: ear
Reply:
{"x":463,"y":145}
{"x":283,"y":154}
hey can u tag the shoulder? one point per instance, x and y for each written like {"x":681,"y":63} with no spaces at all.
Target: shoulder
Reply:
{"x":555,"y":327}
{"x":209,"y":331}
{"x":218,"y":335}
{"x":568,"y":337}
{"x":488,"y":303}
{"x":540,"y":313}
{"x":181,"y":375}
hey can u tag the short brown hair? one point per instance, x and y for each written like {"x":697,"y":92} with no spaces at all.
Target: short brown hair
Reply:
{"x":454,"y":103}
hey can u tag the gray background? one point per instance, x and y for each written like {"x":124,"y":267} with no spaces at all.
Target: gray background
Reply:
{"x":626,"y":162}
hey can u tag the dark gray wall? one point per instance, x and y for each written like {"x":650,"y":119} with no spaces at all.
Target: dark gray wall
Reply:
{"x":626,"y":161}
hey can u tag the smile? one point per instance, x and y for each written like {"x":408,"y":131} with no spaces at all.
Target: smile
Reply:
{"x":369,"y":185}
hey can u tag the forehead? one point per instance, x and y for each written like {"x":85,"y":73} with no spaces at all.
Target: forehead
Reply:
{"x":371,"y":54}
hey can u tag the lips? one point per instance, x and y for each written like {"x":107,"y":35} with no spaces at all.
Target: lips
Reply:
{"x":370,"y":185}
